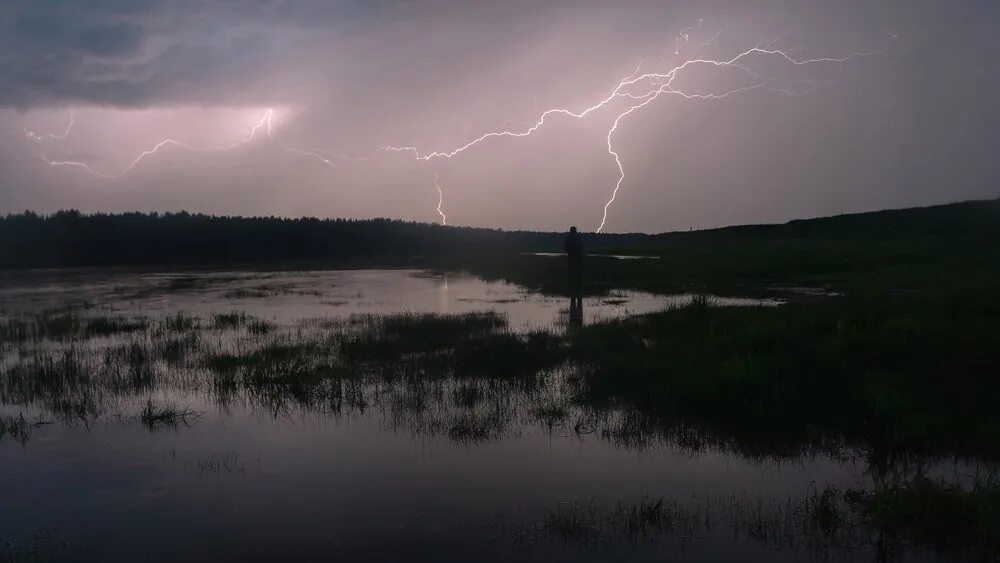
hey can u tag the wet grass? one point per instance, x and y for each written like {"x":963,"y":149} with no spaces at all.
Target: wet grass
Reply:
{"x":550,"y":413}
{"x":903,"y":372}
{"x":759,"y":382}
{"x":176,"y":351}
{"x":310,"y":365}
{"x":18,"y":427}
{"x":844,"y":370}
{"x":178,"y":322}
{"x":588,"y":521}
{"x":957,"y":523}
{"x":466,"y":396}
{"x":378,"y":338}
{"x":54,"y":374}
{"x":795,"y":522}
{"x":132,"y":365}
{"x":277,"y":371}
{"x":230,"y":320}
{"x":154,"y":416}
{"x":259,"y":327}
{"x":935,"y":513}
{"x":65,"y":325}
{"x":480,"y":426}
{"x":471,"y":345}
{"x":864,"y":371}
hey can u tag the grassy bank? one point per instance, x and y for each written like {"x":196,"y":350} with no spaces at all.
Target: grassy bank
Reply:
{"x":882,"y":253}
{"x":910,"y":372}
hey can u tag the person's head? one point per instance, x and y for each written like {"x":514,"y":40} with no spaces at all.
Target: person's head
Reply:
{"x":572,"y":229}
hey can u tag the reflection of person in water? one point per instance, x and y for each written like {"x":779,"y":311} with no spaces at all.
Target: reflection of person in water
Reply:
{"x":574,"y":254}
{"x":575,"y":312}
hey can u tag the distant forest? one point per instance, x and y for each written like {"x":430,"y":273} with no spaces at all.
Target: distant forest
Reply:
{"x":70,"y":238}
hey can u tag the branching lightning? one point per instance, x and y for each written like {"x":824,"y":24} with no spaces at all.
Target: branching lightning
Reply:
{"x":263,"y":123}
{"x":632,"y":93}
{"x":651,"y":86}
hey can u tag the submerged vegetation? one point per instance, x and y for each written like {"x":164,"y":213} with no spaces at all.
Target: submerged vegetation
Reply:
{"x":155,"y":416}
{"x":760,"y":382}
{"x":842,"y":370}
{"x":952,"y":520}
{"x":18,"y":427}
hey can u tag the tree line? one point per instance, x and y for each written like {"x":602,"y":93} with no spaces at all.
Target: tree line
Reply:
{"x":71,"y":238}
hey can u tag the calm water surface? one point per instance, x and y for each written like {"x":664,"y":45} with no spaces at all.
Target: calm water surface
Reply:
{"x":380,"y":477}
{"x":289,"y":296}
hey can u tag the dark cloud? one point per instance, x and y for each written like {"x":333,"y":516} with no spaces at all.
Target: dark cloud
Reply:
{"x":115,"y":40}
{"x":125,"y":53}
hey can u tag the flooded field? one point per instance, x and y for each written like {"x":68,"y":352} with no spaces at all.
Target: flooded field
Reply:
{"x":286,"y":297}
{"x":384,"y":415}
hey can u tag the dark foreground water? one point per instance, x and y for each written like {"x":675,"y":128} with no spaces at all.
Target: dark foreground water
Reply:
{"x":442,"y":470}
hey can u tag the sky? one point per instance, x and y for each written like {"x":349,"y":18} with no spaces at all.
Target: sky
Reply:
{"x":659,"y":115}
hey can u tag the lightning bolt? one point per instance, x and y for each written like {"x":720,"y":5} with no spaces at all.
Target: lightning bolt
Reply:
{"x":263,"y":123}
{"x":317,"y":155}
{"x":631,"y":93}
{"x":266,"y":123}
{"x":655,"y":84}
{"x":437,"y":185}
{"x":42,"y":137}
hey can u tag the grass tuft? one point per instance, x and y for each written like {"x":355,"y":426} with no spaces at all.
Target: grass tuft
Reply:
{"x":155,"y":416}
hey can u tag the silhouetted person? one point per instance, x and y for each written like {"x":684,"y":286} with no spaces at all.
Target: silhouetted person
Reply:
{"x":574,"y":254}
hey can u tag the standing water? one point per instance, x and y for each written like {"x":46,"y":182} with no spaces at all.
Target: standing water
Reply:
{"x":216,"y":416}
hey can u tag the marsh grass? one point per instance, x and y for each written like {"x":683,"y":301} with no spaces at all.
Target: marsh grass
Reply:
{"x":230,"y":320}
{"x":178,"y":351}
{"x":19,"y":428}
{"x":791,"y":523}
{"x":65,"y":324}
{"x":818,"y":522}
{"x":379,"y":338}
{"x":259,"y":327}
{"x":466,"y":396}
{"x":155,"y":417}
{"x":847,"y":371}
{"x":471,"y":345}
{"x":587,"y":521}
{"x":550,"y":413}
{"x":480,"y":426}
{"x":698,"y":377}
{"x":47,"y":373}
{"x":937,"y":513}
{"x":132,"y":365}
{"x":178,"y":322}
{"x":866,"y":370}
